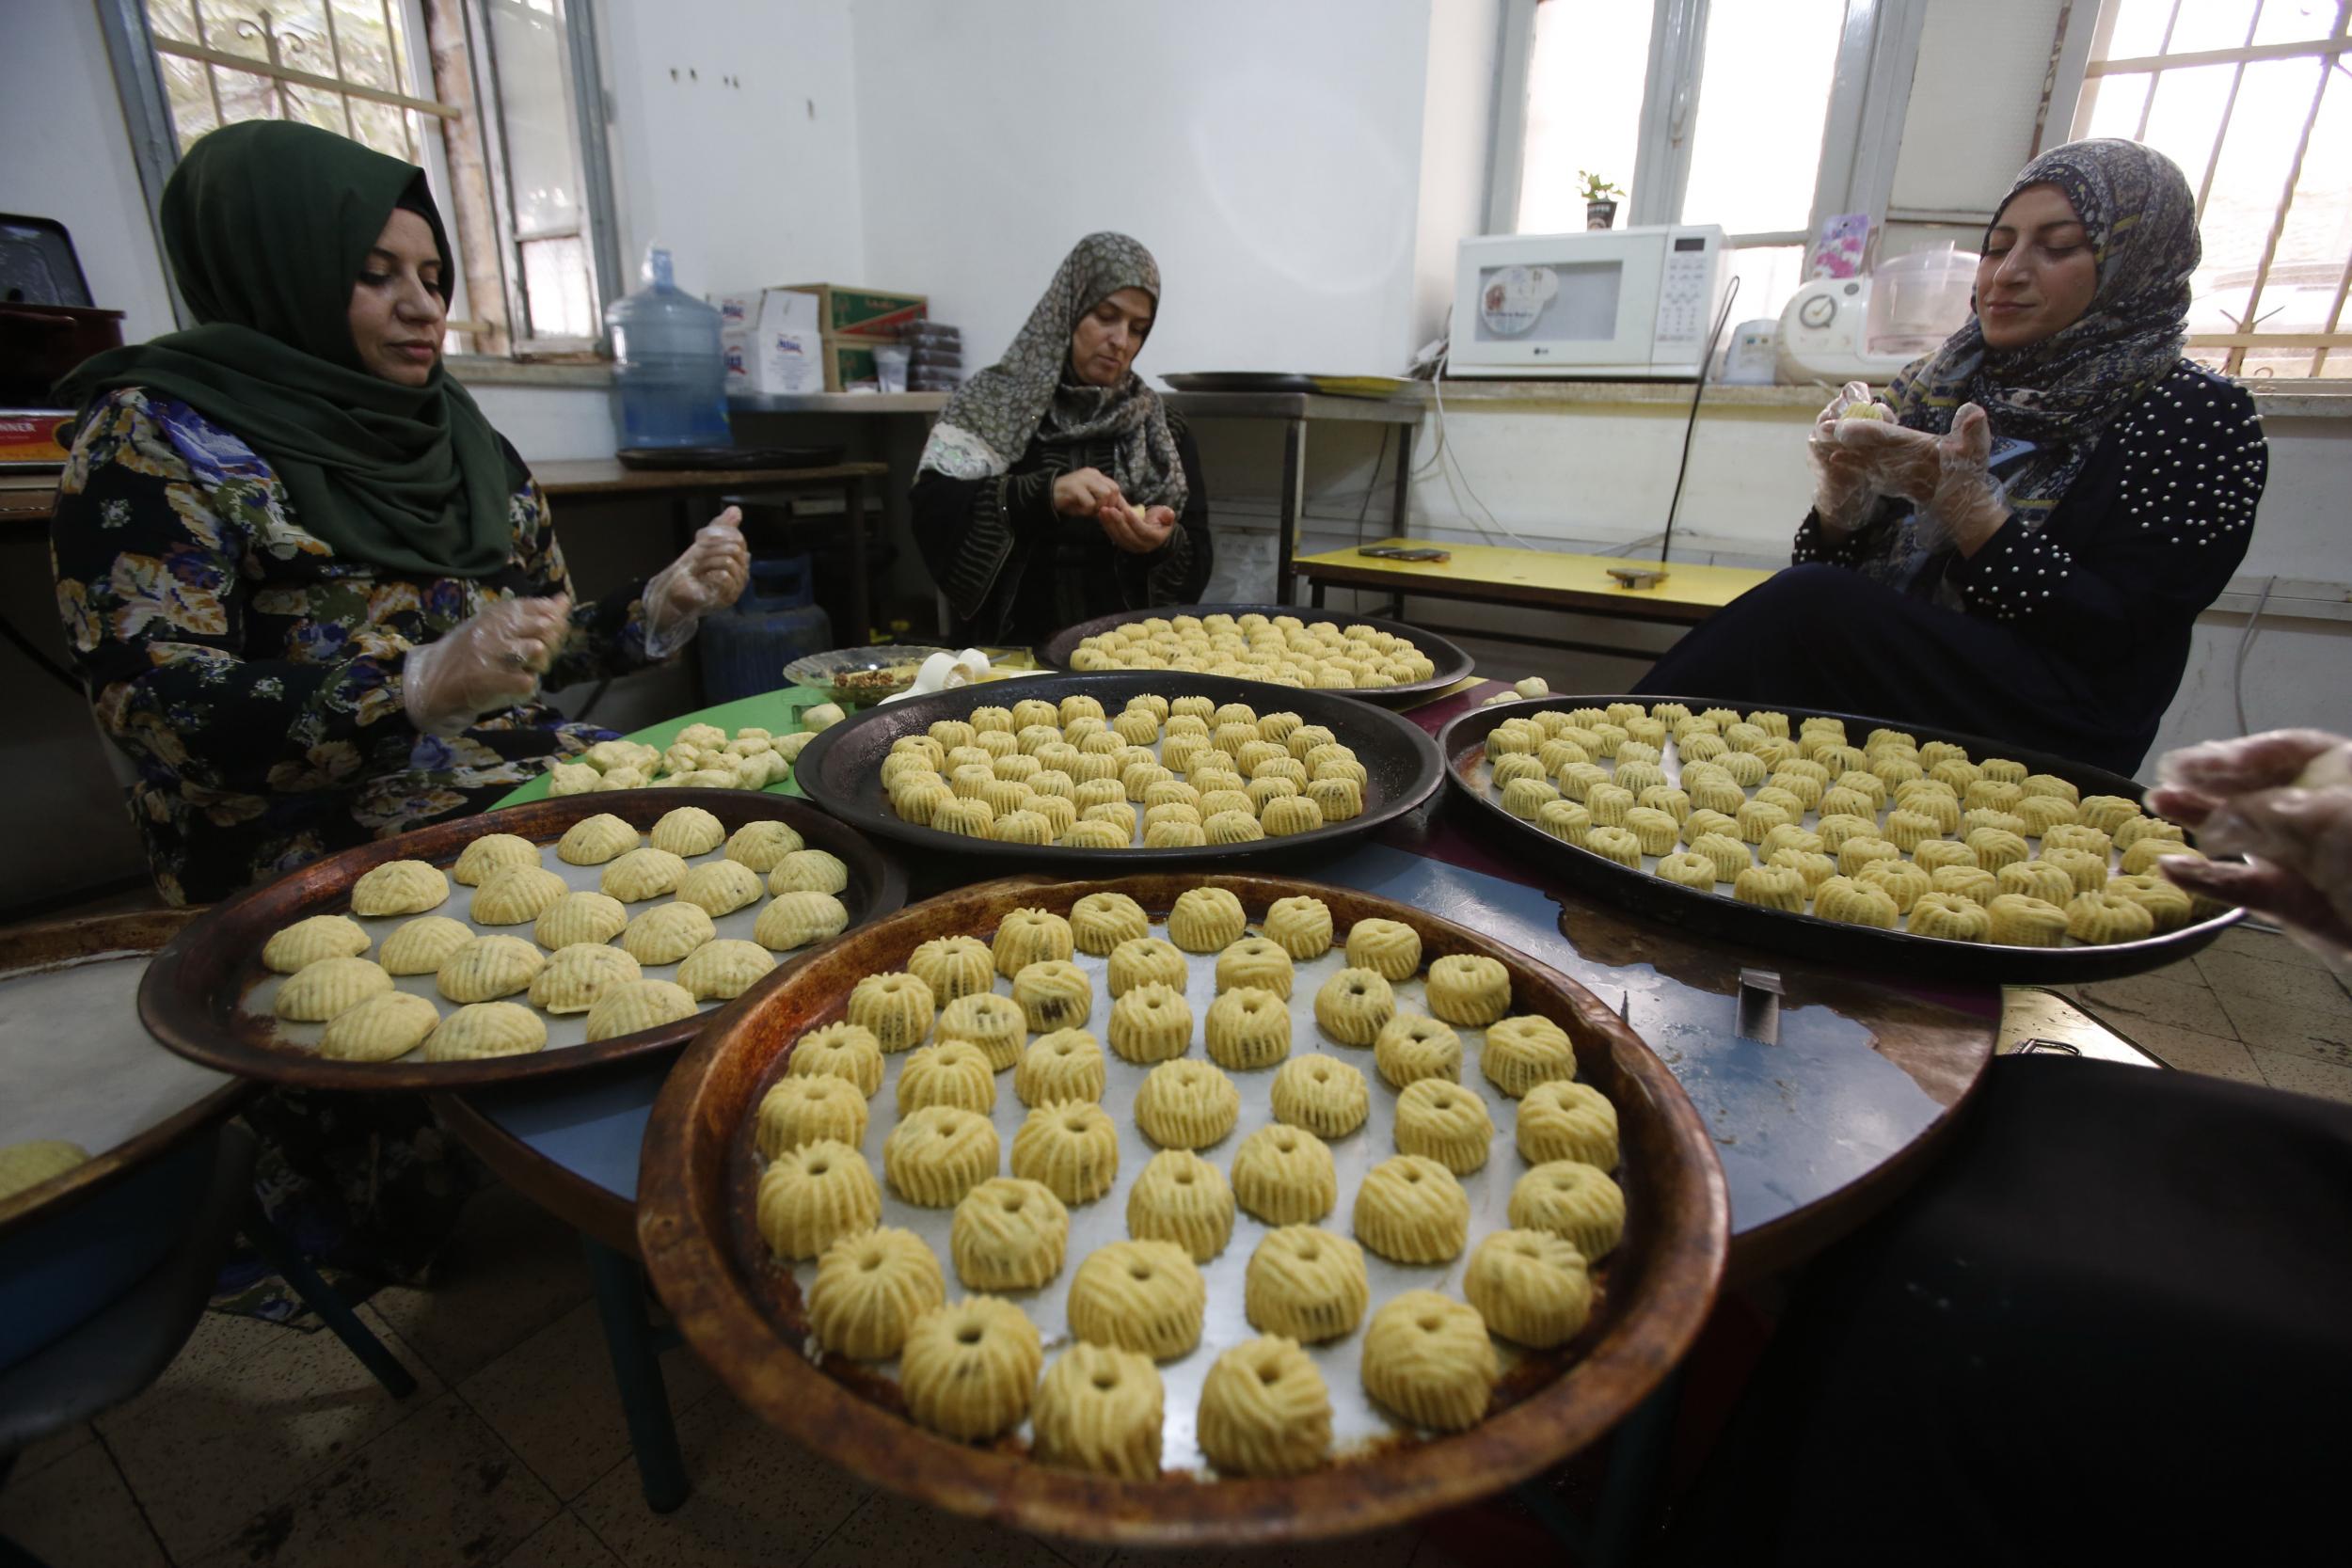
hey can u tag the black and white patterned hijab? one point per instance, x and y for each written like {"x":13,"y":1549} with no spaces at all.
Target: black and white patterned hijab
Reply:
{"x":991,"y":420}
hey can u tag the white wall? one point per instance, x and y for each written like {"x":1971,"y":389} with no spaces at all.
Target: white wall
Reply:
{"x":71,"y":156}
{"x":1457,"y":115}
{"x":1269,"y":154}
{"x":734,"y":139}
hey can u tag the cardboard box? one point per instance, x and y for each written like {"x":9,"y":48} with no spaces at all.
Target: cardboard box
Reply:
{"x":42,"y":437}
{"x":771,"y":342}
{"x":843,"y":311}
{"x":849,"y":364}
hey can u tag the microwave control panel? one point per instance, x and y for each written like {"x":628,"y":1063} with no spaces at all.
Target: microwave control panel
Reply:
{"x":1685,"y":296}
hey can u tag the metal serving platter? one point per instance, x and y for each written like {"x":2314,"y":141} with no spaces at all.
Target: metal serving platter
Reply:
{"x":1808,"y":936}
{"x":1452,"y":662}
{"x":208,"y":997}
{"x":841,"y":769}
{"x":742,"y":1309}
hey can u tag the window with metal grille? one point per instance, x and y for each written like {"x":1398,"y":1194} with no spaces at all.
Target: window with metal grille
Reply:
{"x":495,"y":99}
{"x":2251,"y":99}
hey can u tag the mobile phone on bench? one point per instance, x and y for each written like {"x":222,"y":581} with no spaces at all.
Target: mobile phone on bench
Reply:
{"x":1404,"y":553}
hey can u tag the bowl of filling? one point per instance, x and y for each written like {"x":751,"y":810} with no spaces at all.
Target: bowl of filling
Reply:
{"x":859,"y":677}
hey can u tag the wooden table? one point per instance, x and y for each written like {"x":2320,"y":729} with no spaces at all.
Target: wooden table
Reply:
{"x":1295,"y":410}
{"x":1491,"y":574}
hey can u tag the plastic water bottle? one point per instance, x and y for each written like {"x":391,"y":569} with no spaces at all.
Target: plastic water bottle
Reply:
{"x":667,"y":370}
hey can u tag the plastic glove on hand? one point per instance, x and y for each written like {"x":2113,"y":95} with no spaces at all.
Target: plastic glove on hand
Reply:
{"x":709,"y":576}
{"x":1898,"y":460}
{"x":2284,"y":800}
{"x":487,"y":661}
{"x":1843,"y":491}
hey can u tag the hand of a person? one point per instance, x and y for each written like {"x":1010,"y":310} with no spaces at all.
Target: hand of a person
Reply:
{"x":1967,"y":501}
{"x":1898,"y":460}
{"x":487,"y":661}
{"x":1843,"y":492}
{"x":1084,"y":493}
{"x":2283,"y":800}
{"x":1132,"y":535}
{"x":709,"y":576}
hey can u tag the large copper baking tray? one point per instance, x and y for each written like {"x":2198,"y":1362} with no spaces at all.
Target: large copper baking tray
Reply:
{"x":194,"y":998}
{"x":742,"y":1310}
{"x":1898,"y":952}
{"x":1448,"y":655}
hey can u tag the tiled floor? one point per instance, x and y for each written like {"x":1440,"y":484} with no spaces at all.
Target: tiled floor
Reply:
{"x":270,"y":1446}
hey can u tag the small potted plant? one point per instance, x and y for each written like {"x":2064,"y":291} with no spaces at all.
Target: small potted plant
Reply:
{"x":1600,"y":201}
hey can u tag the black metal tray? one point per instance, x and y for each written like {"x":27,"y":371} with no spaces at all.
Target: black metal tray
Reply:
{"x":841,"y":769}
{"x":1464,"y":741}
{"x":1452,"y":662}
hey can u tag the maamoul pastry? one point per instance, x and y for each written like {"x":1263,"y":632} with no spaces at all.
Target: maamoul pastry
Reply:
{"x":1064,"y":1065}
{"x":643,"y":874}
{"x":1264,"y":1410}
{"x":637,"y":1004}
{"x":1070,"y":1145}
{"x":2020,"y":921}
{"x":841,"y":1051}
{"x":2104,"y":916}
{"x":1180,"y":1197}
{"x":1324,"y":1095}
{"x":1206,"y":919}
{"x":1429,"y":1359}
{"x":760,"y":845}
{"x":1151,"y":1023}
{"x":1530,"y":1286}
{"x":1259,"y":962}
{"x":1812,"y":867}
{"x":1522,"y":1053}
{"x":2140,"y":858}
{"x":797,"y":919}
{"x":388,"y":1024}
{"x":870,"y":1289}
{"x":516,"y":896}
{"x":1354,"y":1005}
{"x":723,"y":969}
{"x":1842,"y":898}
{"x":1728,"y":856}
{"x":1572,"y":1200}
{"x":1772,"y":887}
{"x":1410,"y":1210}
{"x":306,"y":941}
{"x":317,"y":992}
{"x":2088,"y":872}
{"x":1444,"y":1122}
{"x":485,"y":1029}
{"x":1950,"y":916}
{"x":895,"y":1006}
{"x":1186,"y":1104}
{"x":1299,"y":925}
{"x":667,"y":932}
{"x":576,"y":978}
{"x":1100,"y":921}
{"x":1469,"y":989}
{"x":1410,"y":1048}
{"x":953,"y":967}
{"x":594,"y":918}
{"x":1566,"y":821}
{"x":1900,"y":880}
{"x":938,"y":1153}
{"x":968,"y":1371}
{"x":807,"y":1110}
{"x":995,"y":1024}
{"x":809,"y":871}
{"x":2107,"y":813}
{"x":1569,"y":1122}
{"x":1030,"y":936}
{"x":1100,"y":1409}
{"x":2037,"y":879}
{"x":953,"y":1072}
{"x":814,"y":1194}
{"x":2168,"y":908}
{"x":400,"y":887}
{"x":1009,"y":1235}
{"x":720,"y":887}
{"x":594,"y":840}
{"x":689,"y":831}
{"x":418,"y":946}
{"x":493,"y":852}
{"x":1143,"y":1297}
{"x":1305,"y":1284}
{"x":1285,"y":1175}
{"x":1967,"y":881}
{"x":1938,"y":853}
{"x":1142,"y":961}
{"x":1615,"y":843}
{"x":1245,"y":1028}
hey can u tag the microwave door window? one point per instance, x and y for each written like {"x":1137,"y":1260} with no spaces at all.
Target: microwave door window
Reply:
{"x":1555,"y":306}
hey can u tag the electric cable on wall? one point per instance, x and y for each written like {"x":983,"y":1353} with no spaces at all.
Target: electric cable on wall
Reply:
{"x":1690,"y":424}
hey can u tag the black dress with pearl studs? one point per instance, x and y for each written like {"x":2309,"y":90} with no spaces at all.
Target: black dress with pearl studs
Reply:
{"x":2071,"y":638}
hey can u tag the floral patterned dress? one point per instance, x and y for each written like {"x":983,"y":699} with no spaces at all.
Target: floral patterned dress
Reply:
{"x":252,"y":680}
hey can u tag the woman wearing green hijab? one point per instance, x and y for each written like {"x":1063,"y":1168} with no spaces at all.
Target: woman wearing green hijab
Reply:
{"x":313,"y":593}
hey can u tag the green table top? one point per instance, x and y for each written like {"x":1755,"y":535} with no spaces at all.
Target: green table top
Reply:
{"x":777,"y":712}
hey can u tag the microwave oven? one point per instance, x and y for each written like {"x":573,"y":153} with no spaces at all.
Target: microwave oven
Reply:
{"x":1620,"y":304}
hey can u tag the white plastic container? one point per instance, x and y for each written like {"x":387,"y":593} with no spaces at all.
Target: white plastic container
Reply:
{"x":1916,"y":301}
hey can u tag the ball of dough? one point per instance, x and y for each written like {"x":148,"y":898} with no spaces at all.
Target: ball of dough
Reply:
{"x":1180,"y":1197}
{"x":643,"y":874}
{"x":579,"y":976}
{"x":317,"y":992}
{"x":1100,"y":1409}
{"x":420,"y":946}
{"x":1411,"y":1209}
{"x":577,"y":918}
{"x":492,"y":852}
{"x":400,"y":887}
{"x":1009,"y":1235}
{"x":667,"y":932}
{"x":1572,"y":1200}
{"x":488,"y":968}
{"x":485,"y":1029}
{"x":1530,"y":1286}
{"x":1324,"y":1095}
{"x":969,"y":1370}
{"x":760,"y":845}
{"x":387,"y":1025}
{"x":720,"y":887}
{"x":723,"y":969}
{"x":1264,"y":1410}
{"x":1143,"y":1297}
{"x":1429,"y":1359}
{"x":594,"y":840}
{"x":306,"y":941}
{"x":635,"y":1005}
{"x":870,"y":1289}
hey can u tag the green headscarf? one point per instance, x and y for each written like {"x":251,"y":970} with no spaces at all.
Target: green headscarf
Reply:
{"x":267,"y":225}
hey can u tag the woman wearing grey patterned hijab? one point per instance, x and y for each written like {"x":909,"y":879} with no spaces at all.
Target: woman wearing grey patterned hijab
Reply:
{"x":1057,"y":485}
